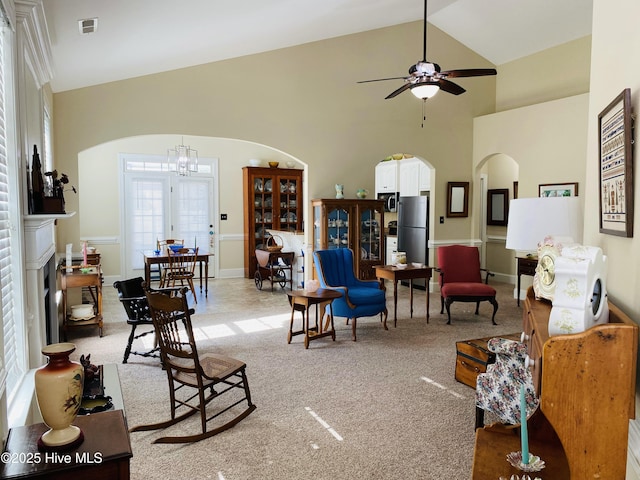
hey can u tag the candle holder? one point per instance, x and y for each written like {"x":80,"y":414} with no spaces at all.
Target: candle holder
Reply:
{"x":535,"y":463}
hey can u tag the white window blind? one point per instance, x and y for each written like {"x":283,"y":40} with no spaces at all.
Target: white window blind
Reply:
{"x":10,"y":371}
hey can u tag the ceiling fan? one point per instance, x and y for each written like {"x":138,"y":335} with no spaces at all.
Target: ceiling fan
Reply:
{"x":425,"y":79}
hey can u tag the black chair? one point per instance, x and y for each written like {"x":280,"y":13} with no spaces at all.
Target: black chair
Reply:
{"x":131,"y":294}
{"x":195,"y":379}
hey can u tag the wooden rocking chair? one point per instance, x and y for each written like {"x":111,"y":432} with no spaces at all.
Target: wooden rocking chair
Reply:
{"x":194,"y":379}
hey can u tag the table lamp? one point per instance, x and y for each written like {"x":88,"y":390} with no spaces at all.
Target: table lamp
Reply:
{"x":533,"y":219}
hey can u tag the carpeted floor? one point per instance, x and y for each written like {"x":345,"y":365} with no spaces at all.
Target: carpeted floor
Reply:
{"x":384,"y":407}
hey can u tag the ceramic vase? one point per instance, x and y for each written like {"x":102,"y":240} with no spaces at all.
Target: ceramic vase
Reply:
{"x":59,"y":387}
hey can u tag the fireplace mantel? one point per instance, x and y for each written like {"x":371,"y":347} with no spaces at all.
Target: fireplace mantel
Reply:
{"x":40,"y":264}
{"x":40,"y":241}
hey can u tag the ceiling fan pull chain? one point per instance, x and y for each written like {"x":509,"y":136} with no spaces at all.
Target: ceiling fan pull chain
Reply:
{"x":424,"y":115}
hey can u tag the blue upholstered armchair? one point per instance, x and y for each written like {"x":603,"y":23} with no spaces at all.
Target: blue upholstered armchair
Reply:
{"x":360,"y":298}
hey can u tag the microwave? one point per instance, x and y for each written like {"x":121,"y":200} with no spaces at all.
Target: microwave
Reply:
{"x":390,"y":201}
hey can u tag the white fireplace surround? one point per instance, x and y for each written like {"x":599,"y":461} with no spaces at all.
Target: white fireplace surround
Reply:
{"x":40,"y":261}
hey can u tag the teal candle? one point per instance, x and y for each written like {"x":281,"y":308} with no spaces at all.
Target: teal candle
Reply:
{"x":524,"y":437}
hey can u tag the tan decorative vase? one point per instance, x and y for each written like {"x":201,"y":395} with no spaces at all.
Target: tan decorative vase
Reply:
{"x":59,"y":387}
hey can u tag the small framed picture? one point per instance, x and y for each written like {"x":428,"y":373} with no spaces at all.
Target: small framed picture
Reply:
{"x":558,"y":189}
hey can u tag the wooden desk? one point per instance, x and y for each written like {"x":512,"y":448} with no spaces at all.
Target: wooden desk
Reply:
{"x":302,"y":300}
{"x":77,"y":279}
{"x":103,"y":455}
{"x":150,"y":258}
{"x":391,"y":272}
{"x":586,"y":384}
{"x":526,"y":266}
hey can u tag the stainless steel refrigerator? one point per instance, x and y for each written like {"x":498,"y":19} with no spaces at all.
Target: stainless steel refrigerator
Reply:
{"x":413,"y":230}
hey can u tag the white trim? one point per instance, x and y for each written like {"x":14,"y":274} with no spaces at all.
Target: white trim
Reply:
{"x":231,"y":237}
{"x":497,"y":239}
{"x":473,"y":242}
{"x":114,"y":240}
{"x":30,"y":14}
{"x":231,"y":273}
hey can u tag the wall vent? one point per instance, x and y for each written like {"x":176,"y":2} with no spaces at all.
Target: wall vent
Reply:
{"x":88,"y":25}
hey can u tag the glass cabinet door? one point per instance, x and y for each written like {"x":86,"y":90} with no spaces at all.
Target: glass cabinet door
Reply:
{"x":289,"y":212}
{"x":370,"y":240}
{"x":263,"y":209}
{"x":338,"y":228}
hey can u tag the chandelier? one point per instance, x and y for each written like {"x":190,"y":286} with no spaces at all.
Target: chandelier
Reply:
{"x":183,"y":159}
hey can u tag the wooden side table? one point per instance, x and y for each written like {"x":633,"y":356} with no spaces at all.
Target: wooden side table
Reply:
{"x":302,"y":301}
{"x":526,"y":266}
{"x":77,"y":279}
{"x":391,"y":272}
{"x":104,"y":453}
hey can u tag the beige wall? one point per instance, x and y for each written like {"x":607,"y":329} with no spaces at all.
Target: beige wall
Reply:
{"x":558,"y":72}
{"x":303,"y":101}
{"x":547,"y":143}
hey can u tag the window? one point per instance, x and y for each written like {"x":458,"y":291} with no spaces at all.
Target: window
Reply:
{"x":13,"y":341}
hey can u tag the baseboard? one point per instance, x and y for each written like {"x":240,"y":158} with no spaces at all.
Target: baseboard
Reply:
{"x":231,"y":273}
{"x":633,"y":451}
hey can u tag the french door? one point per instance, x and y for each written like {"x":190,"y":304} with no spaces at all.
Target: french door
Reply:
{"x":159,"y":205}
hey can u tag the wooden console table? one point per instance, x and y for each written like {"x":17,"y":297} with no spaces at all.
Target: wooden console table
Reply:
{"x":391,"y":272}
{"x":586,"y":384}
{"x":103,"y":455}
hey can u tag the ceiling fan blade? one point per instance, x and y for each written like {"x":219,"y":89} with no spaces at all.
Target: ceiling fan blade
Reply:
{"x":404,"y":87}
{"x":382,"y":79}
{"x":450,"y":87}
{"x":470,"y":72}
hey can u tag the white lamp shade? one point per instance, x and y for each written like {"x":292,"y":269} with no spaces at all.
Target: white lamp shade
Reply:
{"x":425,"y":90}
{"x":532,"y":219}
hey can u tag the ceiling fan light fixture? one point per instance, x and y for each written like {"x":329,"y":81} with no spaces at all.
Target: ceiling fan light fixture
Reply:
{"x":425,"y":90}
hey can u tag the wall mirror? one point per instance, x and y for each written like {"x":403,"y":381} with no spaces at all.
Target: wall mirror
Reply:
{"x":498,"y":206}
{"x":458,"y":199}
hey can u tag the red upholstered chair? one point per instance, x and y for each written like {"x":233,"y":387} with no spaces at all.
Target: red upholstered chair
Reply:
{"x":461,"y":279}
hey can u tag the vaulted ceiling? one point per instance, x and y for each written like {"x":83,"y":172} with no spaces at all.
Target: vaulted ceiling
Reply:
{"x":140,"y":37}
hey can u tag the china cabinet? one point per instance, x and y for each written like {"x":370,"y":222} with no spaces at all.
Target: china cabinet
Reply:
{"x":354,"y":224}
{"x":272,"y":201}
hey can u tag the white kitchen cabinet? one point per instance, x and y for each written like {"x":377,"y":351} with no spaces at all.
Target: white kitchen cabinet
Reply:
{"x":415,"y":177}
{"x":410,"y":177}
{"x":387,"y":176}
{"x":425,"y":177}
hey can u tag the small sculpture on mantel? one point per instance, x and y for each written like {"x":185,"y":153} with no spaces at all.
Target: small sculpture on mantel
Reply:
{"x":46,"y":196}
{"x":37,"y":183}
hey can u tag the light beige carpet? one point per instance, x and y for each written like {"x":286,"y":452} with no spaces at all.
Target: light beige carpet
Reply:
{"x":384,"y":407}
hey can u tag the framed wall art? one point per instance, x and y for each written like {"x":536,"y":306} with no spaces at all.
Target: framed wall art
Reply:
{"x":616,"y":166}
{"x":558,"y":189}
{"x":457,"y":199}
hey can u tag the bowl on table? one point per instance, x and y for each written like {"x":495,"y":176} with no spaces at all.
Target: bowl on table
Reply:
{"x":175,"y":248}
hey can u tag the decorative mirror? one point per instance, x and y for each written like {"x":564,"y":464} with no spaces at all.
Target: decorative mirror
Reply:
{"x":458,"y":199}
{"x":498,"y":206}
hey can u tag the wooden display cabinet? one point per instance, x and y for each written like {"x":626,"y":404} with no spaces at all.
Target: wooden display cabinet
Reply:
{"x":273,"y":200}
{"x":354,"y":224}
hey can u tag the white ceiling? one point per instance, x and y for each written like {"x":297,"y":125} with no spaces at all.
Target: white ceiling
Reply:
{"x":140,"y":37}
